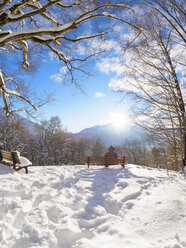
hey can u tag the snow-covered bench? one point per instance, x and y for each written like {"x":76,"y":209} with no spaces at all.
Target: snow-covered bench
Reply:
{"x":106,"y":161}
{"x":14,"y":159}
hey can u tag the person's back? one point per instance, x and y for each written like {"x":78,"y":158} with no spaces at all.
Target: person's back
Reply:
{"x":111,"y":152}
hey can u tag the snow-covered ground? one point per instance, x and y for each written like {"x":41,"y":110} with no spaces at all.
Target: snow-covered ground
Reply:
{"x":76,"y":207}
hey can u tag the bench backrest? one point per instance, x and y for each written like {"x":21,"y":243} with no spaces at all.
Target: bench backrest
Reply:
{"x":94,"y":160}
{"x":104,"y":160}
{"x":9,"y":157}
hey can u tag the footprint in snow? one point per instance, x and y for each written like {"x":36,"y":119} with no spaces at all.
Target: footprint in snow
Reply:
{"x":54,"y":214}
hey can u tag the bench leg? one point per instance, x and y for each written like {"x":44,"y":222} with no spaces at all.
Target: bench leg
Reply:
{"x":20,"y":168}
{"x":123,"y":162}
{"x":88,"y":161}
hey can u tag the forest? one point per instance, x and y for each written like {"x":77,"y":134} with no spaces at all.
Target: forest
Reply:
{"x":50,"y":144}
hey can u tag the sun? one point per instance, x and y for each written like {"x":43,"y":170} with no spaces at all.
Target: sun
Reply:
{"x":120,"y":121}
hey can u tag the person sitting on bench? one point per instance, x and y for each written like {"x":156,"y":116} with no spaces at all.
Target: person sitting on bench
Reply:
{"x":111,"y":153}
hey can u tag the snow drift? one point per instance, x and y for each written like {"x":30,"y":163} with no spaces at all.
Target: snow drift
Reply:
{"x":76,"y":207}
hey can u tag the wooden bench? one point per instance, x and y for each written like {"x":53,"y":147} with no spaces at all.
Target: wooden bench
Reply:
{"x":12,"y":159}
{"x":106,"y":161}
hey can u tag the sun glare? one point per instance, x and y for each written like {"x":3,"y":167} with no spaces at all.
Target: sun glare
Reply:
{"x":120,"y":121}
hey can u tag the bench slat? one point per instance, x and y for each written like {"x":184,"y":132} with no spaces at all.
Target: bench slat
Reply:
{"x":105,"y":160}
{"x":97,"y":160}
{"x":5,"y":153}
{"x":7,"y":156}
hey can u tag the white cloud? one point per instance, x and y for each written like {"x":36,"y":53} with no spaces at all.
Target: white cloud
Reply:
{"x":107,"y":45}
{"x":99,"y":94}
{"x":117,"y":84}
{"x":124,"y":83}
{"x":63,"y":69}
{"x":58,"y":77}
{"x":82,"y":50}
{"x":52,"y":56}
{"x":108,"y":65}
{"x":95,"y":46}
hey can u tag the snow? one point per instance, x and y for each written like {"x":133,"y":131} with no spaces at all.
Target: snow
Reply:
{"x":23,"y":161}
{"x":76,"y":207}
{"x":108,"y":14}
{"x":34,"y":32}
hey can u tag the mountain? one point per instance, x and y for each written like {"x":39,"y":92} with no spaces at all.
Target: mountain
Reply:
{"x":27,"y":124}
{"x":109,"y":135}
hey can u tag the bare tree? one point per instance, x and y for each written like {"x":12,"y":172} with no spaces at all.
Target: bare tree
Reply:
{"x":53,"y":25}
{"x":12,"y":136}
{"x":154,"y":74}
{"x":173,"y":12}
{"x":98,"y":147}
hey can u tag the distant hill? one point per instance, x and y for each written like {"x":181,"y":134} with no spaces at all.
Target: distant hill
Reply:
{"x":109,"y":135}
{"x":27,"y":124}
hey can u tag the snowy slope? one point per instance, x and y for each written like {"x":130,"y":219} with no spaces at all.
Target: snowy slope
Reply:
{"x":73,"y":207}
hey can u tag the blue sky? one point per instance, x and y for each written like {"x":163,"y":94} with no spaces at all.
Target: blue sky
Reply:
{"x":76,"y":109}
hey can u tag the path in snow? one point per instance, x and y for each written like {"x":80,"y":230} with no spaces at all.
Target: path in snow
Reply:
{"x":73,"y":207}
